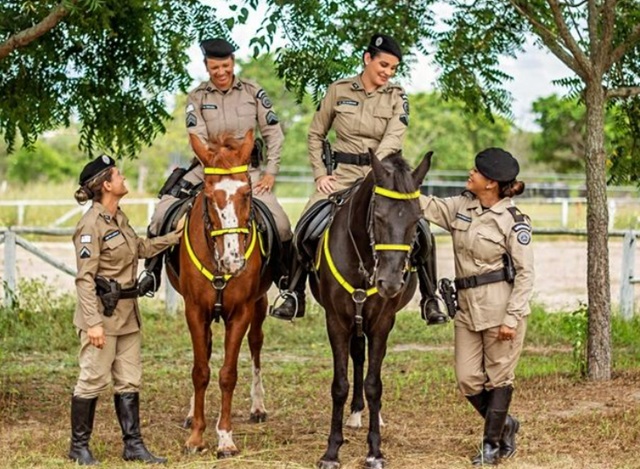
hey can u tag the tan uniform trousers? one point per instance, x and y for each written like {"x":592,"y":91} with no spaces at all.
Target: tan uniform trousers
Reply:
{"x":196,"y":176}
{"x":118,"y":361}
{"x":483,"y":361}
{"x":346,"y":175}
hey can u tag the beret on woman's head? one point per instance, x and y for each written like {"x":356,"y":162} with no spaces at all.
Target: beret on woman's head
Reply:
{"x":95,"y":167}
{"x":497,"y":164}
{"x":387,"y":44}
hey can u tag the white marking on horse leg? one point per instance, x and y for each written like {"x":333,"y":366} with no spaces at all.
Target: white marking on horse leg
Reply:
{"x":257,"y":392}
{"x":230,"y":257}
{"x":380,"y":419}
{"x":225,"y":439}
{"x":354,"y":420}
{"x":192,"y":406}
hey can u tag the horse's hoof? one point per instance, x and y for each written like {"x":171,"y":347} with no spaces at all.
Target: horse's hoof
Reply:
{"x":258,"y":417}
{"x":375,"y":463}
{"x":191,"y":450}
{"x":226,"y":453}
{"x":187,"y":422}
{"x":328,"y":464}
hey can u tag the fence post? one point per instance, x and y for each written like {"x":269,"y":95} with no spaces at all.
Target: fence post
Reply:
{"x":565,"y":212}
{"x":626,"y":285}
{"x":612,"y":213}
{"x":9,"y":267}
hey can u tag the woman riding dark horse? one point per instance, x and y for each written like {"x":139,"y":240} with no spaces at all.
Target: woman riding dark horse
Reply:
{"x":363,"y":278}
{"x":220,"y":265}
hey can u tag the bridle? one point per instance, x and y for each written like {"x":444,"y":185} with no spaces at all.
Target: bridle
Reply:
{"x":375,"y":247}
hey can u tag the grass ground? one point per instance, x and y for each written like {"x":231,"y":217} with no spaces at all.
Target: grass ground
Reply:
{"x":566,"y":422}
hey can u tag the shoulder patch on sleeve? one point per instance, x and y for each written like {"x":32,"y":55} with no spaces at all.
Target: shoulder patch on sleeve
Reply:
{"x":524,"y":237}
{"x":84,"y":253}
{"x":521,"y":226}
{"x":404,"y":118}
{"x":264,"y":99}
{"x":192,"y":120}
{"x":85,"y":239}
{"x":463,"y":217}
{"x":271,"y":118}
{"x":190,"y":108}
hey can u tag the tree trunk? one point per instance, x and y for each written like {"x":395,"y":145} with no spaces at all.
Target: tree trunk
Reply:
{"x":599,"y":293}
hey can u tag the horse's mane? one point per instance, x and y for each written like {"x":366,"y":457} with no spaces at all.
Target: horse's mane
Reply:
{"x":401,"y":172}
{"x":225,"y":151}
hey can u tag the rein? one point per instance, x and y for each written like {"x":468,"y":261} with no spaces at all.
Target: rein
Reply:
{"x":359,"y":295}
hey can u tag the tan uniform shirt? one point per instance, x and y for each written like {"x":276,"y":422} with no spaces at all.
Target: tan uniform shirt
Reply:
{"x":109,"y":247}
{"x":480,"y":237}
{"x":243,"y":107}
{"x":361,"y":120}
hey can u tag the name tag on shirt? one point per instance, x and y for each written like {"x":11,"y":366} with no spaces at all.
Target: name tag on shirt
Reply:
{"x":348,"y":102}
{"x":111,"y":235}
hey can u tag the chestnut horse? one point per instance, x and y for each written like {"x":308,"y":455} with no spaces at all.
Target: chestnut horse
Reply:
{"x":363,"y":278}
{"x":220,"y":263}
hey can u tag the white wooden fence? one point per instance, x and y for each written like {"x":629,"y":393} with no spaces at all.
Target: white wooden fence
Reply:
{"x":12,"y":239}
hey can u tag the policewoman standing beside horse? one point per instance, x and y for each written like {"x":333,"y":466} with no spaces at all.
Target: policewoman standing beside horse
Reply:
{"x":366,"y":112}
{"x":494,"y":281}
{"x":107,"y":316}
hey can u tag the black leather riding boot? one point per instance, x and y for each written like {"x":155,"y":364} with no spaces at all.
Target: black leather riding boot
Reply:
{"x":150,"y":280}
{"x":425,"y":261}
{"x":128,"y":411}
{"x":294,"y":303}
{"x":494,"y":423}
{"x":82,"y":414}
{"x":511,"y":426}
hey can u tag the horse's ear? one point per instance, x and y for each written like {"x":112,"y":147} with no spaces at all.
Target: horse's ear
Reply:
{"x":379,"y":171}
{"x":200,"y":148}
{"x":422,"y":169}
{"x":247,"y":146}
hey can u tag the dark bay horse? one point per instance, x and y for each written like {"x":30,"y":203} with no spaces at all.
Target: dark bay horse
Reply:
{"x":363,"y":278}
{"x":220,"y":264}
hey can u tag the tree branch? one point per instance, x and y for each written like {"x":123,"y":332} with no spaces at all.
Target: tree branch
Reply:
{"x":623,"y":92}
{"x":568,"y":39}
{"x":549,"y":38}
{"x":608,"y":20}
{"x":619,"y":51}
{"x":29,"y":35}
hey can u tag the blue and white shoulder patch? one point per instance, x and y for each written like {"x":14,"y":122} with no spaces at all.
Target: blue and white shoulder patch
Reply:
{"x":524,"y":237}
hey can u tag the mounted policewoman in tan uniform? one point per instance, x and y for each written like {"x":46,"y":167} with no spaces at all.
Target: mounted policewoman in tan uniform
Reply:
{"x":494,"y":281}
{"x":107,"y":316}
{"x":367,"y":112}
{"x":227,"y":104}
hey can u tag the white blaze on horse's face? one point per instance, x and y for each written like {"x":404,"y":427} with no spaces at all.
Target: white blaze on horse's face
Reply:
{"x":232,"y":258}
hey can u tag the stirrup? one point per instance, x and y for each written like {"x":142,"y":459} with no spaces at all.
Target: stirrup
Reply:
{"x":284,"y":294}
{"x":151,"y":293}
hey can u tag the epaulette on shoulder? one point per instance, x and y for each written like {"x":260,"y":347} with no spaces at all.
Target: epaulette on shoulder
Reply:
{"x":517,"y":215}
{"x":468,"y":194}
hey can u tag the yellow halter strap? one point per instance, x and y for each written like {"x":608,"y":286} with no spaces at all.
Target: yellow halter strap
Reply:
{"x":334,"y":270}
{"x":202,"y":268}
{"x":388,"y":193}
{"x":209,"y":170}
{"x":225,"y":231}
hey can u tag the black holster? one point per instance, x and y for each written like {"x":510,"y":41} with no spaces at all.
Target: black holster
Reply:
{"x":108,"y":290}
{"x":327,"y":157}
{"x":257,"y":154}
{"x":449,"y":296}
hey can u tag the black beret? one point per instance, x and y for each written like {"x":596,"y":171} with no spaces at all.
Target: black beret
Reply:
{"x":217,"y":48}
{"x":95,"y":167}
{"x":497,"y":164}
{"x":387,"y":44}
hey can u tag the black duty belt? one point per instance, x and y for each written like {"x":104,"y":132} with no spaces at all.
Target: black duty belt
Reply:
{"x":360,"y":159}
{"x":477,"y":280}
{"x":127,"y":293}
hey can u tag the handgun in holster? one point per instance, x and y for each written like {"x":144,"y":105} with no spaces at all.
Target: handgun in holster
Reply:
{"x":257,"y":153}
{"x":175,"y":185}
{"x":449,"y":296}
{"x":108,"y":290}
{"x":509,"y":268}
{"x":327,"y":157}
